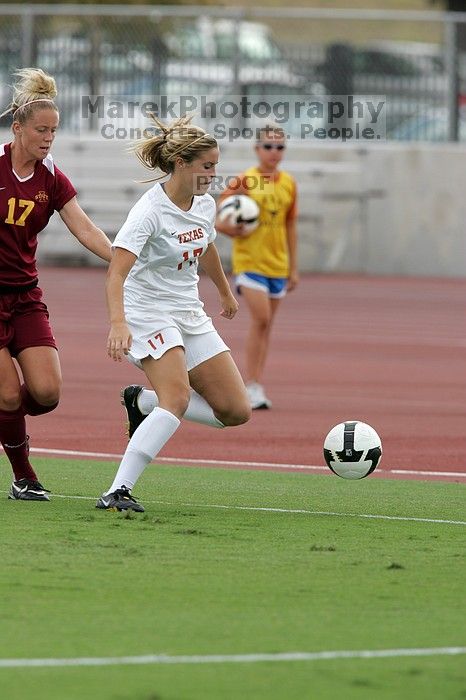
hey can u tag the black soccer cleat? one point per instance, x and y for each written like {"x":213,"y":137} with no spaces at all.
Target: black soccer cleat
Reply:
{"x":119,"y":500}
{"x":28,"y":490}
{"x":129,"y":399}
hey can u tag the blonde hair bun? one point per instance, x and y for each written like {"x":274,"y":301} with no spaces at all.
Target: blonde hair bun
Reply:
{"x":32,"y":85}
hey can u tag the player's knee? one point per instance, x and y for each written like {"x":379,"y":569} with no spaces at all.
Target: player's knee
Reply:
{"x":47,"y":396}
{"x":10,"y":399}
{"x":263,"y":322}
{"x":176,"y":401}
{"x":237,"y":415}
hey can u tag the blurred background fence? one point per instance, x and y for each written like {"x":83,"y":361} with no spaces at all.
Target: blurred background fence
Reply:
{"x":416,"y":59}
{"x":395,"y":206}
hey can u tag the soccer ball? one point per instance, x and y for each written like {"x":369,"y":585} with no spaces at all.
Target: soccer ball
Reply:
{"x":240,"y":209}
{"x":352,"y":449}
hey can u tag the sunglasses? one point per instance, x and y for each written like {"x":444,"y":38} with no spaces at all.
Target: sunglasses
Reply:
{"x":273,"y":146}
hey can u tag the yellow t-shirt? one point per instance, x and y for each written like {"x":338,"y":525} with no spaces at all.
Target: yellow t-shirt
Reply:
{"x":265,"y":250}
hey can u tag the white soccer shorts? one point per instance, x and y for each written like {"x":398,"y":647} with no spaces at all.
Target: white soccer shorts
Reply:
{"x":192,"y":330}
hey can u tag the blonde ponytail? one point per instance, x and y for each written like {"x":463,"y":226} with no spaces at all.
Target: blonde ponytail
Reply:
{"x":180,"y":138}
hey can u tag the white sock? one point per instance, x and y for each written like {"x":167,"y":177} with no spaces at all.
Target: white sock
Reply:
{"x":147,"y":400}
{"x":146,"y":443}
{"x":198,"y":409}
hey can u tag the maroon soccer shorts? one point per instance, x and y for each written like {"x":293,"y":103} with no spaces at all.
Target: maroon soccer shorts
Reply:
{"x":24,"y":321}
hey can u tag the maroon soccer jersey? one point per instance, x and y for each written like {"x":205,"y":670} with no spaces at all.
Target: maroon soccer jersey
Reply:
{"x":26,"y":205}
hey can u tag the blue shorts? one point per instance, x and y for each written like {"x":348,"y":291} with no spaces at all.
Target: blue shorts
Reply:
{"x":274,"y":287}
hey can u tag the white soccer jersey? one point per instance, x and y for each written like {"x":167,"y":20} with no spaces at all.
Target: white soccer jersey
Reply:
{"x":168,"y":243}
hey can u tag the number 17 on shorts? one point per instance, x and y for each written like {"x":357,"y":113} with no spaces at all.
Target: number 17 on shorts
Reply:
{"x":156,"y":341}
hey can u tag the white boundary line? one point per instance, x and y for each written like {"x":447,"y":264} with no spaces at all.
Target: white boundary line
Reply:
{"x":299,"y":511}
{"x":230,"y":658}
{"x":234,"y":463}
{"x":290,"y":511}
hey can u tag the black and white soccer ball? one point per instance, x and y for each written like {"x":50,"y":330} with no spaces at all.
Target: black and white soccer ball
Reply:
{"x":352,"y":449}
{"x":240,"y":209}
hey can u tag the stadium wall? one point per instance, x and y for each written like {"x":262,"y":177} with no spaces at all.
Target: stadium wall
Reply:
{"x":390,"y":209}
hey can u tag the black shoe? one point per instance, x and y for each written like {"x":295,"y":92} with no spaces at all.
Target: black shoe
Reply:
{"x":129,"y":399}
{"x":121,"y":499}
{"x":28,"y":490}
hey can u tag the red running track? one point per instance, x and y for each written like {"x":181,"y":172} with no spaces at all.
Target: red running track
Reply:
{"x":388,"y":351}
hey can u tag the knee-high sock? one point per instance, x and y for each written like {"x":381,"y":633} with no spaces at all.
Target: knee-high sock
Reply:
{"x":198,"y":410}
{"x":30,"y":406}
{"x":15,"y":443}
{"x":146,"y":443}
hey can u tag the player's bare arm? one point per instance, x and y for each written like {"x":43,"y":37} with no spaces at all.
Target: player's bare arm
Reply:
{"x":292,"y":240}
{"x":119,"y":337}
{"x":87,"y":233}
{"x":212,"y":265}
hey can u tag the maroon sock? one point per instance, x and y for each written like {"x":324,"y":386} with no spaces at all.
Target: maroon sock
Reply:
{"x":15,"y":443}
{"x":30,"y":406}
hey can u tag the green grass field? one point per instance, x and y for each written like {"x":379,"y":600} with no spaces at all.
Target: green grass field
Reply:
{"x":208,"y":570}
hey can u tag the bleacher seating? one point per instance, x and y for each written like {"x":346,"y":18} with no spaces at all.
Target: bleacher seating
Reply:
{"x":108,"y":181}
